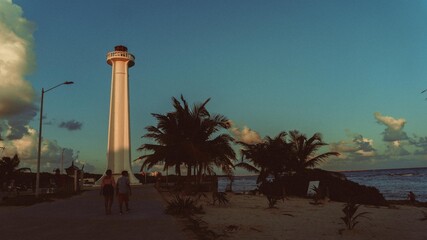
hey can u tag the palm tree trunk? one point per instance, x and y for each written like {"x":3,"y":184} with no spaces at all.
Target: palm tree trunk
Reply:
{"x":189,"y":168}
{"x":199,"y":174}
{"x":178,"y":169}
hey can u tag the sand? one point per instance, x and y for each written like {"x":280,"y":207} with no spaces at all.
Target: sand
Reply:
{"x":248,"y":217}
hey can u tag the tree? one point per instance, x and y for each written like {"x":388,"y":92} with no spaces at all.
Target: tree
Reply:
{"x":278,"y":156}
{"x":269,"y":158}
{"x":303,"y":151}
{"x":8,"y":166}
{"x":191,"y":137}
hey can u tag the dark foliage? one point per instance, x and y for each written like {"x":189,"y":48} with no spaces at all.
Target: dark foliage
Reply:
{"x":283,"y":155}
{"x":273,"y":190}
{"x":220,"y":197}
{"x":8,"y":166}
{"x":317,"y":195}
{"x":189,"y":137}
{"x":350,"y":216}
{"x":268,"y":158}
{"x":183,"y":206}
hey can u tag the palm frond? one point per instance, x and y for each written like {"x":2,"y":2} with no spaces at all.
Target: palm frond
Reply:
{"x":247,"y":167}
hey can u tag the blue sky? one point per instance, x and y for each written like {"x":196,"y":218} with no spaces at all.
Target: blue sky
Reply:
{"x":351,"y":70}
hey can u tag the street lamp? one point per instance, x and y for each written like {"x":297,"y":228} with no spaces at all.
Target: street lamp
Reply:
{"x":62,"y":161}
{"x":40,"y":135}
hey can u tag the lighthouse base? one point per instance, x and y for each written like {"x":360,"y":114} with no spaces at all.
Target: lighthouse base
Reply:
{"x":133,"y":180}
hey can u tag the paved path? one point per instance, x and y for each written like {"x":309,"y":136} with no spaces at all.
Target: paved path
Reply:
{"x":83,"y":217}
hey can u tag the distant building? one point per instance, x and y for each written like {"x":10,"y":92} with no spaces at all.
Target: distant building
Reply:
{"x":71,"y":169}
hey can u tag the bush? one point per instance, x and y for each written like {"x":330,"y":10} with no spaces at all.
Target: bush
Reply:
{"x":273,"y":191}
{"x":350,"y":219}
{"x":317,"y":195}
{"x":183,"y":206}
{"x":221,"y":197}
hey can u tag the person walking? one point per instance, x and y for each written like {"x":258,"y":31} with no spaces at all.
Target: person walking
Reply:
{"x":107,"y":187}
{"x":124,"y":191}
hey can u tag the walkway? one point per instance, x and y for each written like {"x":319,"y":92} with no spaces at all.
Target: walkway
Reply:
{"x":82,"y":217}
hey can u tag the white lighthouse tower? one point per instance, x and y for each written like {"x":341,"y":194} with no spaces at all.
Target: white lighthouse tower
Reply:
{"x":118,"y":149}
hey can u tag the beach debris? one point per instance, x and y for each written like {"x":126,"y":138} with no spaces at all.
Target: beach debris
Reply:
{"x":350,"y":218}
{"x":220,"y":197}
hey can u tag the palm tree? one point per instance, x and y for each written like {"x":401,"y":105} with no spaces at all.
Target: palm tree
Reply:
{"x":269,"y":158}
{"x":165,"y":152}
{"x":303,"y":151}
{"x":190,"y":137}
{"x":277,"y":156}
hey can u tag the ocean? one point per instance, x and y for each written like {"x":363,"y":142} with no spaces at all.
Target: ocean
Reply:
{"x":394,"y":184}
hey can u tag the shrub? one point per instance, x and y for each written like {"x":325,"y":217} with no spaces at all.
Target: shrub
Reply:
{"x":350,"y":219}
{"x":183,"y":206}
{"x":273,"y":191}
{"x":221,"y":197}
{"x":317,"y":195}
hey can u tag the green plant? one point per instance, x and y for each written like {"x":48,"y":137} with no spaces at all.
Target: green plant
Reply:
{"x":273,"y":190}
{"x":189,"y":136}
{"x":183,"y":206}
{"x":316,"y":195}
{"x":350,"y":218}
{"x":221,"y":197}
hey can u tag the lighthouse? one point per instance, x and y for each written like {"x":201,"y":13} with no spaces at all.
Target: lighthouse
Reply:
{"x":118,"y":148}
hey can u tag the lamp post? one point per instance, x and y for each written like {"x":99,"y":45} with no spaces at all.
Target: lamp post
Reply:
{"x":40,"y":136}
{"x":62,"y":161}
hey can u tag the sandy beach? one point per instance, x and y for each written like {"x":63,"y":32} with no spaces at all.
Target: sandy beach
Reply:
{"x":247,"y":217}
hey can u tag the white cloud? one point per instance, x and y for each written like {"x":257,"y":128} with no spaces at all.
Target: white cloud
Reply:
{"x":394,"y":131}
{"x":392,"y":123}
{"x":396,"y":149}
{"x":365,"y":153}
{"x":26,"y":148}
{"x":87,"y":167}
{"x":344,"y":148}
{"x":245,"y":135}
{"x":358,"y":147}
{"x":16,"y":60}
{"x":17,"y":96}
